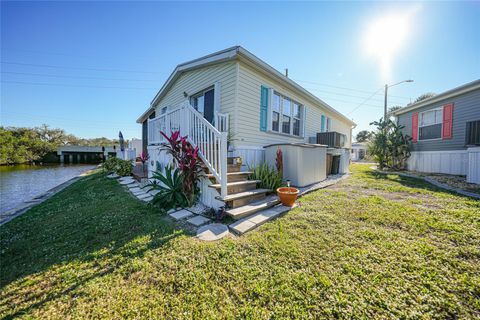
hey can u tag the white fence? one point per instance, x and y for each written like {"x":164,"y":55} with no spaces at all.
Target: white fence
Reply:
{"x":473,"y":174}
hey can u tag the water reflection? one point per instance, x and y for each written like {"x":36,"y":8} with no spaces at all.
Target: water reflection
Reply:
{"x":20,"y":183}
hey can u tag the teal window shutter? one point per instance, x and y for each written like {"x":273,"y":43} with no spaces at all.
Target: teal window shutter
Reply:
{"x":263,"y":108}
{"x":322,"y":128}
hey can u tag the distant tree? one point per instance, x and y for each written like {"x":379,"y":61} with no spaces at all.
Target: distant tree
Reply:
{"x":391,"y":110}
{"x":29,"y":145}
{"x":424,"y":96}
{"x":363,"y":136}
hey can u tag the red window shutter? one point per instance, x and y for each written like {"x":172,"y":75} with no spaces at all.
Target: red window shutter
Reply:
{"x":415,"y":127}
{"x":447,"y":121}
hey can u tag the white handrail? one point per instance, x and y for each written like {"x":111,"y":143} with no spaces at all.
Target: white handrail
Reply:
{"x":221,"y":121}
{"x":211,"y":142}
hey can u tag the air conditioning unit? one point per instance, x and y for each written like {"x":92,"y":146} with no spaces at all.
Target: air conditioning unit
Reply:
{"x":331,"y":139}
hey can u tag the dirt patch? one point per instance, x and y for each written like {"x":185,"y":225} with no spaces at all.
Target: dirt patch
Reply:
{"x":458,"y":182}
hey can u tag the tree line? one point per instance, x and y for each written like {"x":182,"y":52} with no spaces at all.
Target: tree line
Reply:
{"x":30,"y":145}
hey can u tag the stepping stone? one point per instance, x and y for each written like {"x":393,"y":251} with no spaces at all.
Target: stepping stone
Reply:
{"x":113,"y":176}
{"x":257,"y":219}
{"x":125,"y":182}
{"x":198,"y":220}
{"x":212,"y":232}
{"x":143,"y":196}
{"x":147,"y":199}
{"x":242,"y":226}
{"x":139,"y":192}
{"x":181,"y":214}
{"x":133,"y":185}
{"x":134,"y":189}
{"x":126,"y":178}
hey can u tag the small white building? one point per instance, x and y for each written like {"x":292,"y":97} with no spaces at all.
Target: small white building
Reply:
{"x":359,"y":151}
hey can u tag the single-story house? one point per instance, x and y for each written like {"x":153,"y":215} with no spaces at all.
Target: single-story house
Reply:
{"x":445,"y":131}
{"x":231,"y":105}
{"x":359,"y":151}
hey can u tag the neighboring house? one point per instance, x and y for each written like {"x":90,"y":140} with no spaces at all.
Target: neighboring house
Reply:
{"x":359,"y":151}
{"x":233,"y":100}
{"x":446,"y":132}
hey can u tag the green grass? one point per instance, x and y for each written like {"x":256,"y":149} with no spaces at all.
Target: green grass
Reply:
{"x":373,"y":246}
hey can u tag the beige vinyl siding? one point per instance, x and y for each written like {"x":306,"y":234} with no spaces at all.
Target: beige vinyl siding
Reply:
{"x":248,"y":132}
{"x":194,"y":81}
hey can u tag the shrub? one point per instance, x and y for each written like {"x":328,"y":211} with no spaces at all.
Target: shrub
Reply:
{"x":186,"y":159}
{"x":390,"y":147}
{"x":269,"y":177}
{"x":119,"y":166}
{"x":170,"y":195}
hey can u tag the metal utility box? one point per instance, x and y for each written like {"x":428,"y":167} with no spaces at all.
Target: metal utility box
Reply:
{"x":331,"y":139}
{"x":303,"y":163}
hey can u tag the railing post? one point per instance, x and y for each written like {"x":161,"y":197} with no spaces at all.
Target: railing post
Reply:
{"x":223,"y":165}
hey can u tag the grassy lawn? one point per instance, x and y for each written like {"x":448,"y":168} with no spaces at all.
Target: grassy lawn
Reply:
{"x":372,"y":246}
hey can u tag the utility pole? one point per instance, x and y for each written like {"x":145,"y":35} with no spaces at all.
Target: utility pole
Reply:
{"x":385,"y":104}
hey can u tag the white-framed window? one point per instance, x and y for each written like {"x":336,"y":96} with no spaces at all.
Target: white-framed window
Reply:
{"x":430,"y":124}
{"x":286,"y":115}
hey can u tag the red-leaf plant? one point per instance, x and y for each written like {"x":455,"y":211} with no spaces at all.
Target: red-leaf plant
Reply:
{"x":279,"y":162}
{"x":144,"y":158}
{"x":186,"y":159}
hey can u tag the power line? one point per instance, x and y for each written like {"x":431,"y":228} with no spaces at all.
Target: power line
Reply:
{"x":69,"y":119}
{"x":76,"y":68}
{"x":361,"y":104}
{"x":78,"y":125}
{"x":341,"y":94}
{"x":100,"y":78}
{"x":74,"y":85}
{"x":345,"y":88}
{"x":74,"y":77}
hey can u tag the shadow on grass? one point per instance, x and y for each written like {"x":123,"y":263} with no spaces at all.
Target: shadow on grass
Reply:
{"x":88,"y":230}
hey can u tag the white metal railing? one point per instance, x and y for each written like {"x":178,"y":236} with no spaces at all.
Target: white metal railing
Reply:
{"x":167,"y":123}
{"x":211,"y":142}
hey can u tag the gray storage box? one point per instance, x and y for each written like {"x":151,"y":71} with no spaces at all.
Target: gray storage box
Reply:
{"x":303,"y":163}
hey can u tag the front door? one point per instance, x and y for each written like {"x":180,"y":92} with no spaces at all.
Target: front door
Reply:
{"x":203,"y":102}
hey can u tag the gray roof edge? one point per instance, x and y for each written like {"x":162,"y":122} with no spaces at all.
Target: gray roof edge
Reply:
{"x":473,"y":85}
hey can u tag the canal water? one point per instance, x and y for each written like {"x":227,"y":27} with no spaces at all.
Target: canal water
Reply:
{"x":20,"y":183}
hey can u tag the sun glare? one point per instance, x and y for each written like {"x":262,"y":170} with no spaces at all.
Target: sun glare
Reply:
{"x":385,"y":36}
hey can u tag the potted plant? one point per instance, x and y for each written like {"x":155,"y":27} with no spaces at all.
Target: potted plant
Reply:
{"x":287,"y":195}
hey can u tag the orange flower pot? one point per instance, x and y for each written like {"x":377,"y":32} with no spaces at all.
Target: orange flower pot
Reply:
{"x":288,"y":195}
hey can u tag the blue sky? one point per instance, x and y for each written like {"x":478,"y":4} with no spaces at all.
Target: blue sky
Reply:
{"x":93,"y":67}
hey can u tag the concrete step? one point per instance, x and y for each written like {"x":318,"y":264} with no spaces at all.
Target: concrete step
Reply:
{"x":233,"y":176}
{"x":255,"y":220}
{"x":251,"y":208}
{"x":239,"y":186}
{"x":236,"y":200}
{"x":233,"y":168}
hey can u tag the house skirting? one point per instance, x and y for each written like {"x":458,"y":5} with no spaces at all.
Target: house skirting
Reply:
{"x":251,"y":156}
{"x":458,"y":162}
